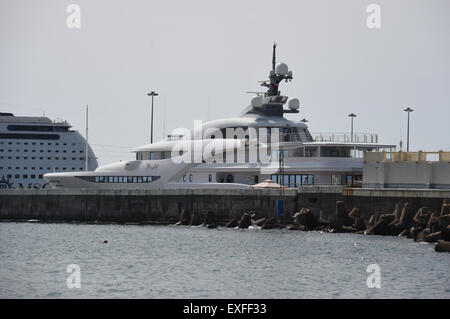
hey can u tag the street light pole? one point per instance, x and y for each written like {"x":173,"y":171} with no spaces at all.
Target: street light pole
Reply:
{"x":352,"y":116}
{"x":87,"y":145}
{"x":408,"y":110}
{"x":152,"y":94}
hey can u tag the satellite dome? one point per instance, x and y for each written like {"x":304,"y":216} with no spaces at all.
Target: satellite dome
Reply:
{"x":294,"y":103}
{"x":257,"y":101}
{"x":282,"y":69}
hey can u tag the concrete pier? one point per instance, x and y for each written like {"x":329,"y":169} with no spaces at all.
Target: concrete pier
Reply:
{"x":165,"y":206}
{"x":134,"y":205}
{"x":374,"y":201}
{"x":371,"y":201}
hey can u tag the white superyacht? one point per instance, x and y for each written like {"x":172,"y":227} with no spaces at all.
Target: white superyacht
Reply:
{"x":266,"y":146}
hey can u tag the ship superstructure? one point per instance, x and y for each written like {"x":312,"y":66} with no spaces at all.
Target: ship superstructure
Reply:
{"x":33,"y":146}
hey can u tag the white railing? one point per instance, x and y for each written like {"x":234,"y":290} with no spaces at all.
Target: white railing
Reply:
{"x":345,"y":137}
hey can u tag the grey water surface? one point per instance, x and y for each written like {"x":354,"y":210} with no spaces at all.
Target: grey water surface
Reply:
{"x":195,"y":262}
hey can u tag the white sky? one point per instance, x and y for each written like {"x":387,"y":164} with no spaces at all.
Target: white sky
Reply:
{"x":202,"y":55}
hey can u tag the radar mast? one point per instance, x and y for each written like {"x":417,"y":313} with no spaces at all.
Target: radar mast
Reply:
{"x":276,"y":75}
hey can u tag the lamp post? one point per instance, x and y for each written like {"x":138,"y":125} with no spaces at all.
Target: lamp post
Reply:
{"x":280,"y":203}
{"x":152,"y":94}
{"x":352,"y":115}
{"x":408,"y":110}
{"x":87,"y":145}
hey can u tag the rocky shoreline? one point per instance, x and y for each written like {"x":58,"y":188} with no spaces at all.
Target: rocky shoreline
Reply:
{"x":423,"y":225}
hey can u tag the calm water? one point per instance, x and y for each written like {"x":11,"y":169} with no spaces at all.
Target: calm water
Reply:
{"x":194,"y":262}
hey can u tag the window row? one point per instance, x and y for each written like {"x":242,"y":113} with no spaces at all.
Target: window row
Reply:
{"x":33,"y":168}
{"x":40,"y":143}
{"x":43,"y":158}
{"x":293,"y":180}
{"x":125,"y":179}
{"x":40,"y":151}
{"x":32,"y":176}
{"x":17,"y":136}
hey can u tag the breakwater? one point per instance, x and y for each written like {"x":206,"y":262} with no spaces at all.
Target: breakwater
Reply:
{"x":166,"y":206}
{"x":133,"y":205}
{"x":421,"y":214}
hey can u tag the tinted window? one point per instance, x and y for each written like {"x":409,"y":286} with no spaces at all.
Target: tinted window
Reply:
{"x":37,"y":128}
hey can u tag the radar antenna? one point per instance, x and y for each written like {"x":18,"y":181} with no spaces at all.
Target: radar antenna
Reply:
{"x":273,"y":56}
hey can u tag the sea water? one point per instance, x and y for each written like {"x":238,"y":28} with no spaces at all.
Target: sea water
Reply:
{"x":41,"y":260}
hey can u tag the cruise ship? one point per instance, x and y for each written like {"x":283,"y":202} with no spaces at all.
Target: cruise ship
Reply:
{"x":33,"y":146}
{"x":268,"y":146}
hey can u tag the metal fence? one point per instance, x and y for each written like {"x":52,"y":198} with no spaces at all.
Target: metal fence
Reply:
{"x":345,"y":137}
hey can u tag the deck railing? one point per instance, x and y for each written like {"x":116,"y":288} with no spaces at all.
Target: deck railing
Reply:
{"x":327,"y":137}
{"x":345,"y":137}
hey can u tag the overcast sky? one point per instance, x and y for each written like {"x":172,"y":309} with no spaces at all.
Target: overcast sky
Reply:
{"x":202,"y":55}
